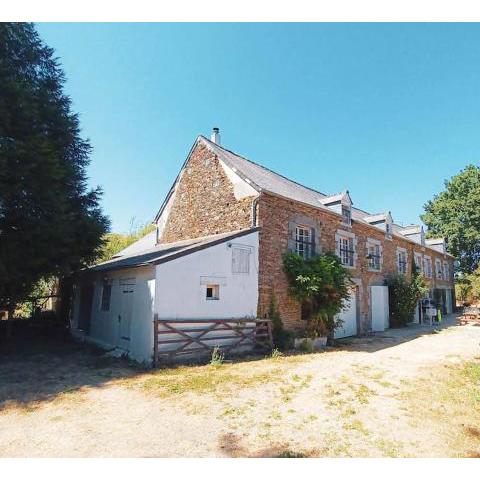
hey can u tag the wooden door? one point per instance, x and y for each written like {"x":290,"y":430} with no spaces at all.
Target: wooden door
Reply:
{"x":125,"y":316}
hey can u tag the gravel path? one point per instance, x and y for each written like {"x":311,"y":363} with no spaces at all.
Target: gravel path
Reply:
{"x":367,"y":398}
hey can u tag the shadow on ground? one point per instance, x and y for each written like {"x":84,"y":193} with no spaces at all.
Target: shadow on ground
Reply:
{"x":36,"y":370}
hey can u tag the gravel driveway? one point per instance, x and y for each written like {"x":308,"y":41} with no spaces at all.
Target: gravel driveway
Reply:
{"x":409,"y":392}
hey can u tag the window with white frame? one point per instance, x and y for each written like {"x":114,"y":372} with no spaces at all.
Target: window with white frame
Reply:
{"x":212,"y":292}
{"x":401,"y":260}
{"x":427,"y":267}
{"x":418,"y":259}
{"x":240,"y":259}
{"x":346,"y":250}
{"x":374,"y":255}
{"x":304,"y":243}
{"x":438,"y":269}
{"x":446,"y":271}
{"x":346,"y":215}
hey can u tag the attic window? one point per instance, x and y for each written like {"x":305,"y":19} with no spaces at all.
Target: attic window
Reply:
{"x":213,"y":292}
{"x":346,"y":215}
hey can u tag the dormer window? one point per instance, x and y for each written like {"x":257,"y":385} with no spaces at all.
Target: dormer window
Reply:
{"x":346,"y":215}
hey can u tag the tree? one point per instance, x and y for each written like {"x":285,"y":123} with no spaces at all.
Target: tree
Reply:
{"x":51,"y":223}
{"x":115,"y":242}
{"x":403,"y":296}
{"x":455,"y":214}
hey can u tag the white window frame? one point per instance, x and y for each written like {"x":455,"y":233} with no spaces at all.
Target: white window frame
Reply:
{"x":304,"y":243}
{"x":346,"y":218}
{"x":446,"y":271}
{"x":418,"y":259}
{"x":402,"y":266}
{"x":215,"y":292}
{"x":438,"y":269}
{"x":427,"y":262}
{"x":349,"y":240}
{"x":376,"y":246}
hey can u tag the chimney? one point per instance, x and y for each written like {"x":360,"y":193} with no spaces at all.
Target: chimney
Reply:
{"x":215,"y":136}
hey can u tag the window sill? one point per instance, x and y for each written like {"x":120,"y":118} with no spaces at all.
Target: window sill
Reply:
{"x":375,"y":270}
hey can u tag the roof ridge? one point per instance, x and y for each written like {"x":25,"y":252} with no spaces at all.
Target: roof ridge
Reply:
{"x":265,"y":168}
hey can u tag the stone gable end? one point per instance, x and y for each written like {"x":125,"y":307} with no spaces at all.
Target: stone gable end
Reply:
{"x":205,"y":201}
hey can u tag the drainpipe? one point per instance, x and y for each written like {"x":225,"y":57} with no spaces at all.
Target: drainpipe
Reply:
{"x":254,"y":211}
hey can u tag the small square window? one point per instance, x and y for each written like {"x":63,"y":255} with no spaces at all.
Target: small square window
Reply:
{"x":213,"y":292}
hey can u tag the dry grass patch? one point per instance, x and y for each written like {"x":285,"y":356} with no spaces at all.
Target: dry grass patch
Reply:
{"x":448,"y":402}
{"x":220,"y":379}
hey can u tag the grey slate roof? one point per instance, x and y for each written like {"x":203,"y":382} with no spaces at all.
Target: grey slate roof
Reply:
{"x":166,"y":252}
{"x":264,"y":179}
{"x":144,"y":243}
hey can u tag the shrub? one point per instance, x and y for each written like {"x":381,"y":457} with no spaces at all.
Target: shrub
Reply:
{"x":322,"y":283}
{"x":404,"y":295}
{"x":217,"y":357}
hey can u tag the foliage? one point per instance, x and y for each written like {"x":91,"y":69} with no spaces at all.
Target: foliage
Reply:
{"x":44,"y":287}
{"x":455,"y":214}
{"x":467,"y":288}
{"x":404,"y":294}
{"x":276,"y":353}
{"x":323,"y":283}
{"x":51,"y":223}
{"x":217,"y":356}
{"x":115,"y":242}
{"x":282,"y":339}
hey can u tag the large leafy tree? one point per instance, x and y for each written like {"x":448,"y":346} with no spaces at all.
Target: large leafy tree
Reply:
{"x":51,"y":223}
{"x":455,"y":214}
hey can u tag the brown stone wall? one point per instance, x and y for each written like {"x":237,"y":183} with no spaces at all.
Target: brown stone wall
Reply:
{"x":274,"y":215}
{"x":204,"y":202}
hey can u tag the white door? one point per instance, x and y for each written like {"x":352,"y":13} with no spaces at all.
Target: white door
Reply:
{"x":349,"y":317}
{"x":379,"y":306}
{"x":127,"y":289}
{"x":449,"y":301}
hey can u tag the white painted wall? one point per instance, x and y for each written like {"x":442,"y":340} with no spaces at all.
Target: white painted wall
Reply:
{"x":104,"y":326}
{"x":180,"y":284}
{"x":379,"y":306}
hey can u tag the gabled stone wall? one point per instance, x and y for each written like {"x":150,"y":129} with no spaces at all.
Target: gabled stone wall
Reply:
{"x":204,"y":202}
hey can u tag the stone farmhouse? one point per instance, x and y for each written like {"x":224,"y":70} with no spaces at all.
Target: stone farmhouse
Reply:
{"x":217,"y":252}
{"x":295,"y":218}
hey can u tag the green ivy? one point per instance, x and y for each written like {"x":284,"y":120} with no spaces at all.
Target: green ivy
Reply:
{"x":404,"y":295}
{"x":322,"y":282}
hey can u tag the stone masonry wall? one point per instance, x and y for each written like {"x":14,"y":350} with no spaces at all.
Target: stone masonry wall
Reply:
{"x":205,"y":203}
{"x":274,"y":215}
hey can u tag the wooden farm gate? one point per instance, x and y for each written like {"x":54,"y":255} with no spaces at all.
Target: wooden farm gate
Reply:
{"x":174,"y":338}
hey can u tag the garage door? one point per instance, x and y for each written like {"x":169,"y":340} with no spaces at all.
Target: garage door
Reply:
{"x":349,"y":317}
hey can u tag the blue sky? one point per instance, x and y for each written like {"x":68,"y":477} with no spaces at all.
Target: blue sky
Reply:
{"x":387,"y":111}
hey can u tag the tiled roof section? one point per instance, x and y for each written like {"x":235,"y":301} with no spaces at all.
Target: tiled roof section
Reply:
{"x":336,"y":198}
{"x":434,"y":241}
{"x":379,"y":217}
{"x":168,"y":251}
{"x":262,"y":178}
{"x":411,"y":230}
{"x":145,"y":243}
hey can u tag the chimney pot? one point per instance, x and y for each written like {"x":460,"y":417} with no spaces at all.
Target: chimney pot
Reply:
{"x":215,"y":137}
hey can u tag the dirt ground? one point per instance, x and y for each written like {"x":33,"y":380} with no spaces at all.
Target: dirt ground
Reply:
{"x":410,"y":392}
